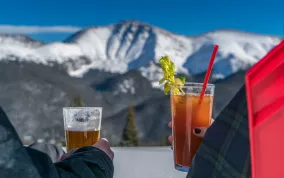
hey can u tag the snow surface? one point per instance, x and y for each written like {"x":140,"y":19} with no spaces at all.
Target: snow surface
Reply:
{"x":130,"y":45}
{"x":152,"y":72}
{"x":126,"y":86}
{"x":145,"y":162}
{"x":142,"y":162}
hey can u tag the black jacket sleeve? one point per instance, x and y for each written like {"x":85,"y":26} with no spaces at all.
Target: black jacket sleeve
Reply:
{"x":224,"y":151}
{"x":87,"y":162}
{"x":14,"y":159}
{"x":18,"y":161}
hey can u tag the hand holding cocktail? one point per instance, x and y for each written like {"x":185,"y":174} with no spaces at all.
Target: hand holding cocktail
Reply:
{"x":191,"y":108}
{"x":199,"y":132}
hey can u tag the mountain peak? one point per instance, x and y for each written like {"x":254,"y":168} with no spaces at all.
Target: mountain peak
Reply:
{"x":131,"y":44}
{"x":133,"y":22}
{"x":113,"y":26}
{"x":19,"y":39}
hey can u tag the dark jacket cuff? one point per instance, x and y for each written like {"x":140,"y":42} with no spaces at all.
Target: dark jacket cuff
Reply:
{"x":95,"y":155}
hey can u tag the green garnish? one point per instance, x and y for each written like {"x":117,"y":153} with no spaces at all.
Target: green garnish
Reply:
{"x":169,"y":78}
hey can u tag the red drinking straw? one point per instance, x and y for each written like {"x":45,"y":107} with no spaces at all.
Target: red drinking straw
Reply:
{"x":207,"y":76}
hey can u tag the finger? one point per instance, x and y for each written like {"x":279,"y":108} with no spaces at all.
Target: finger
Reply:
{"x":102,"y":142}
{"x":170,"y":124}
{"x":68,"y":154}
{"x":200,"y":132}
{"x":170,"y":138}
{"x":104,"y":145}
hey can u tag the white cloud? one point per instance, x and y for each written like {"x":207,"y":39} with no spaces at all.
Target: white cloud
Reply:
{"x":12,"y":29}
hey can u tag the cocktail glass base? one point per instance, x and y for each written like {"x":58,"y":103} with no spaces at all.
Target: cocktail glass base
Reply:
{"x":182,"y":168}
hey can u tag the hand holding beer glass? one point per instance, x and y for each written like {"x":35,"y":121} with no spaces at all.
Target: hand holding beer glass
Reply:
{"x":82,"y":126}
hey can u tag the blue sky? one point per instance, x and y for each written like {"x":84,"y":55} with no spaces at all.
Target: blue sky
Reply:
{"x":186,"y":17}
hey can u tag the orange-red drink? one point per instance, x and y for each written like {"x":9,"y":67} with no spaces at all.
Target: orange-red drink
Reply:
{"x":188,"y":113}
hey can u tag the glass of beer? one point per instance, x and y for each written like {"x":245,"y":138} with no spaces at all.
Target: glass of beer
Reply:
{"x":82,"y":126}
{"x":189,"y":112}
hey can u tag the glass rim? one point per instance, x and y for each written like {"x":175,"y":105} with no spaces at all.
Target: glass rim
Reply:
{"x":67,"y":116}
{"x":82,"y":108}
{"x":194,"y":84}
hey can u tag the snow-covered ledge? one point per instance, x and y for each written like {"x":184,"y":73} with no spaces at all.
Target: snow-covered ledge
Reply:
{"x":141,"y":162}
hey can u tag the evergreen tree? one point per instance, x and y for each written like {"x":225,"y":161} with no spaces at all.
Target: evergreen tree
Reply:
{"x":164,"y":141}
{"x":129,"y":137}
{"x":77,"y":102}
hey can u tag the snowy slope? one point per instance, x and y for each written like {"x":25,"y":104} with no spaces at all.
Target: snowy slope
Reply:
{"x":156,"y":162}
{"x":129,"y":45}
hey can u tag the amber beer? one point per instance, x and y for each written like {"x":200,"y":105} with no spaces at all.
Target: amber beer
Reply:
{"x":188,"y":113}
{"x":82,"y":126}
{"x":78,"y":139}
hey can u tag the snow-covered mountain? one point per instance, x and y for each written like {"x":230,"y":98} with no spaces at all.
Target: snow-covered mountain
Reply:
{"x":127,"y":45}
{"x":98,"y":61}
